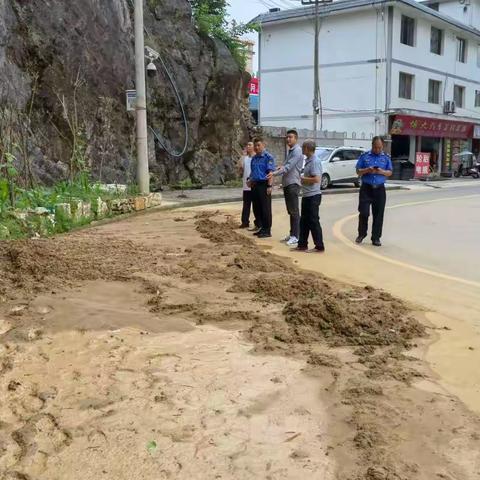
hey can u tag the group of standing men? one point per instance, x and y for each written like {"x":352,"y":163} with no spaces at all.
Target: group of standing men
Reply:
{"x":302,"y":174}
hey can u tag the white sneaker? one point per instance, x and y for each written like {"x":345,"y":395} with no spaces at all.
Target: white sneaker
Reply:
{"x":292,"y":241}
{"x":286,"y":239}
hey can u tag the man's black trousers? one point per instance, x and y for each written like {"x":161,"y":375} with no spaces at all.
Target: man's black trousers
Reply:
{"x":247,"y":203}
{"x":262,"y":203}
{"x":291,"y":194}
{"x":374,"y":197}
{"x":310,"y":222}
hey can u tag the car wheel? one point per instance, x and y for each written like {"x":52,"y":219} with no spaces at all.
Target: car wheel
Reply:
{"x":325,"y":181}
{"x":356,"y":183}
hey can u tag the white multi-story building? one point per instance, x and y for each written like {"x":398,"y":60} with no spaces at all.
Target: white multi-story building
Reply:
{"x":406,"y":70}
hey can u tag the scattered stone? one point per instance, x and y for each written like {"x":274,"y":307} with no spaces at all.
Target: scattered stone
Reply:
{"x":77,"y":209}
{"x":139,"y":204}
{"x":41,"y":211}
{"x":19,"y":215}
{"x":155,"y":199}
{"x":17,"y":310}
{"x":99,"y":208}
{"x":113,"y":188}
{"x":86,"y":210}
{"x":121,"y":205}
{"x":63,"y":211}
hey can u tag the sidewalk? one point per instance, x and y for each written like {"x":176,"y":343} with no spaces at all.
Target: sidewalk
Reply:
{"x":449,"y":183}
{"x":212,"y":195}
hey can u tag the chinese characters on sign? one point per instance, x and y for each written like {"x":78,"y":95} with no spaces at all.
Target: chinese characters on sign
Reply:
{"x":476,"y":131}
{"x":430,"y":127}
{"x":422,"y":164}
{"x":254,"y":87}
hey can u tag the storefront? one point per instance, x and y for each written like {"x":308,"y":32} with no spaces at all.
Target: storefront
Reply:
{"x":476,"y":141}
{"x":441,"y":139}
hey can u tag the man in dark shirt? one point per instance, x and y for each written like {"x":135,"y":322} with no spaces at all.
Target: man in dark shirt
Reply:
{"x":374,"y":167}
{"x":261,"y":183}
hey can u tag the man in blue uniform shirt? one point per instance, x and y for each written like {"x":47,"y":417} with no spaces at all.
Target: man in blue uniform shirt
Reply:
{"x":374,"y":167}
{"x":261,"y":183}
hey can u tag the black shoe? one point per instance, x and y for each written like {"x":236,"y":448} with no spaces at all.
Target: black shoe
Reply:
{"x":264,"y":235}
{"x":360,"y":239}
{"x":243,"y":226}
{"x":257,"y":233}
{"x":318,"y":250}
{"x":377,"y":243}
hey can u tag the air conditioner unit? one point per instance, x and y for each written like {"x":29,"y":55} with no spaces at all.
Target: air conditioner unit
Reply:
{"x":449,"y":107}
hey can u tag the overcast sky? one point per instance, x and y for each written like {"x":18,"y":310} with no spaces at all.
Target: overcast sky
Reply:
{"x":245,"y":10}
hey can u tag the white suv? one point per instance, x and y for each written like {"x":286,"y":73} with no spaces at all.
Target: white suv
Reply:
{"x":339,"y":164}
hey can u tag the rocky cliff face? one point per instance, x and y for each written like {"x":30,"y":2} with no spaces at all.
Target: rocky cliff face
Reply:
{"x":64,"y":69}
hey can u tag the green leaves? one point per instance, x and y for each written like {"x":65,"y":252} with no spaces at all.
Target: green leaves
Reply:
{"x":151,"y":446}
{"x":211,"y":19}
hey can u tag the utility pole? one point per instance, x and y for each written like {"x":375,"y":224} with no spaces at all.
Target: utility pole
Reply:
{"x":316,"y":61}
{"x":316,"y":79}
{"x":143,"y":177}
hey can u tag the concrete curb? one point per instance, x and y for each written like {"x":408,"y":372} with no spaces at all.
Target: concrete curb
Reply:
{"x":216,"y":201}
{"x":196,"y":203}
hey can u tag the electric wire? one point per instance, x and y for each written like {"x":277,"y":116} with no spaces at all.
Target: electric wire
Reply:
{"x":180,"y":103}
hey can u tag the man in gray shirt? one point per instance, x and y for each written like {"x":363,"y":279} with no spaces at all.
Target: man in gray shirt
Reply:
{"x":291,"y":184}
{"x":311,"y":200}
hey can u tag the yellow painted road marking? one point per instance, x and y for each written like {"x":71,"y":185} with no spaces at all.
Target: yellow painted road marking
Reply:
{"x":338,"y":233}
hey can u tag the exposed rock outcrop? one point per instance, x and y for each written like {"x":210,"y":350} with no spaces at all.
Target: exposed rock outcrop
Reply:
{"x":66,"y":65}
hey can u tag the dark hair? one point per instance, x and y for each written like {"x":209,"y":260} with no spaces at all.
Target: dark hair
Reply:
{"x":377,"y":139}
{"x":310,"y":145}
{"x":293,"y":131}
{"x":258,"y":140}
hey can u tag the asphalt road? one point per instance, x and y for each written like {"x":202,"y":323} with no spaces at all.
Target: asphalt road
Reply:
{"x":430,"y":257}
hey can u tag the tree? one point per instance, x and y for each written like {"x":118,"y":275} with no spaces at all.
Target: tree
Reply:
{"x":211,"y":18}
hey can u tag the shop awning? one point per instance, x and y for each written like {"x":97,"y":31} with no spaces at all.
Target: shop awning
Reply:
{"x":430,"y":127}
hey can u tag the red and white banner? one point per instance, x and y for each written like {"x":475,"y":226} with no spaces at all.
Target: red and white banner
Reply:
{"x":254,"y":87}
{"x":422,"y":164}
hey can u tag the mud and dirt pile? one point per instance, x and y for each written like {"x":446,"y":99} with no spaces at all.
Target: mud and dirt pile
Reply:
{"x":31,"y":266}
{"x":372,"y":321}
{"x":316,"y":308}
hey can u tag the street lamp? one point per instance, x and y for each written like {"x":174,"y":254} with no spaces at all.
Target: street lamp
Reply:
{"x":316,"y":62}
{"x":143,"y":176}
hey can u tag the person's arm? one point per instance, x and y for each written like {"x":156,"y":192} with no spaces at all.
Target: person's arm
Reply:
{"x":316,"y":176}
{"x":270,"y":170}
{"x":388,"y":171}
{"x":361,"y":169}
{"x":311,"y":180}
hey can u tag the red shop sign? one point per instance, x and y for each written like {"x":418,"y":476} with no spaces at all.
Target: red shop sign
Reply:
{"x":430,"y":127}
{"x":254,"y":87}
{"x":422,"y":164}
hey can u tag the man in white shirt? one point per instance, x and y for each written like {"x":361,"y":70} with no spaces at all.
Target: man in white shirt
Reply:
{"x":245,"y":170}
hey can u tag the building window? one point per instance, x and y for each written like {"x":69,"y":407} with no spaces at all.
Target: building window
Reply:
{"x":436,"y":41}
{"x":406,"y":86}
{"x":477,"y":98}
{"x":407,"y":34}
{"x":461,"y":50}
{"x":434,"y":87}
{"x":459,"y":96}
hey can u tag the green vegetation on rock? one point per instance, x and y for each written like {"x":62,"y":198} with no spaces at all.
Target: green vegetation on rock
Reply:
{"x":211,"y":19}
